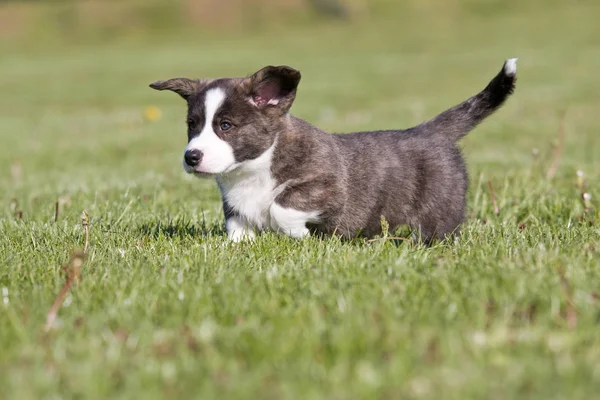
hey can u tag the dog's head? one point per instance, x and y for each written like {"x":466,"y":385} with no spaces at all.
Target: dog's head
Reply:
{"x":233,"y":121}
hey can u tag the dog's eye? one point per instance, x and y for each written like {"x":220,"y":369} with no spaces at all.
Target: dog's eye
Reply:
{"x":191,"y":121}
{"x":225,"y":126}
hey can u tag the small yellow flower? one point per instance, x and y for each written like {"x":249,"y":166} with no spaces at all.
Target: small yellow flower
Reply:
{"x":152,"y":113}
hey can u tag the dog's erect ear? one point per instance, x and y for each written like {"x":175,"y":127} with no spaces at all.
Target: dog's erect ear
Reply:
{"x":183,"y":86}
{"x":274,"y":86}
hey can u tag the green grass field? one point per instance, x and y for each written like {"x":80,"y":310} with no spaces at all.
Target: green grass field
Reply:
{"x":168,"y":308}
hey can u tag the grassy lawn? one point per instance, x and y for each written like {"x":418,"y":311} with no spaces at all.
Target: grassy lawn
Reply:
{"x":167,"y":307}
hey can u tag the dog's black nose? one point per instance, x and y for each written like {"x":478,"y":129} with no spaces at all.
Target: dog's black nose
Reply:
{"x":193,"y":157}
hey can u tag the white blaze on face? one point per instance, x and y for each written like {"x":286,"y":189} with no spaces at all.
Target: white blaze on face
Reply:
{"x":217,"y":154}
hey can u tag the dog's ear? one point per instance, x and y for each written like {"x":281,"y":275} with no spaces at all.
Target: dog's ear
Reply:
{"x":274,"y":87}
{"x":182,"y":86}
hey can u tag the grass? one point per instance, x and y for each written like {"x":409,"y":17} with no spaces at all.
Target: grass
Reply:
{"x":167,"y":307}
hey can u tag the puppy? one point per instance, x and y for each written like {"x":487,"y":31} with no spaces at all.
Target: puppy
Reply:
{"x":278,"y":172}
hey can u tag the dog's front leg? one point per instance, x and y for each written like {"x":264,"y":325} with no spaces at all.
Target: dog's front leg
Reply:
{"x":291,"y":222}
{"x":237,"y":227}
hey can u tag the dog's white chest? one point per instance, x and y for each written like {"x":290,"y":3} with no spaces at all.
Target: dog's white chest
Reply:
{"x":250,"y":190}
{"x":250,"y":197}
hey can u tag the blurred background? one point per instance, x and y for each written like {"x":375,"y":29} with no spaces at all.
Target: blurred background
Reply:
{"x":74,"y":75}
{"x":92,"y":21}
{"x":83,"y":20}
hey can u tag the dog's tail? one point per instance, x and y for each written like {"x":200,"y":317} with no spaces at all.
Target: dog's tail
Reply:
{"x":459,"y":120}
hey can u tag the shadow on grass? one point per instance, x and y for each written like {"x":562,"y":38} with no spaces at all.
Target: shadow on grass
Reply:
{"x":180,"y":229}
{"x":184,"y":229}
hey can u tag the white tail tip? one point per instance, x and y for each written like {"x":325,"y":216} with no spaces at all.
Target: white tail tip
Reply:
{"x":510,"y":66}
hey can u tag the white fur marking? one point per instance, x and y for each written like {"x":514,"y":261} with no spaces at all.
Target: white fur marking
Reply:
{"x":510,"y":67}
{"x":250,"y":189}
{"x":238,"y":230}
{"x":290,"y":221}
{"x":217,"y":154}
